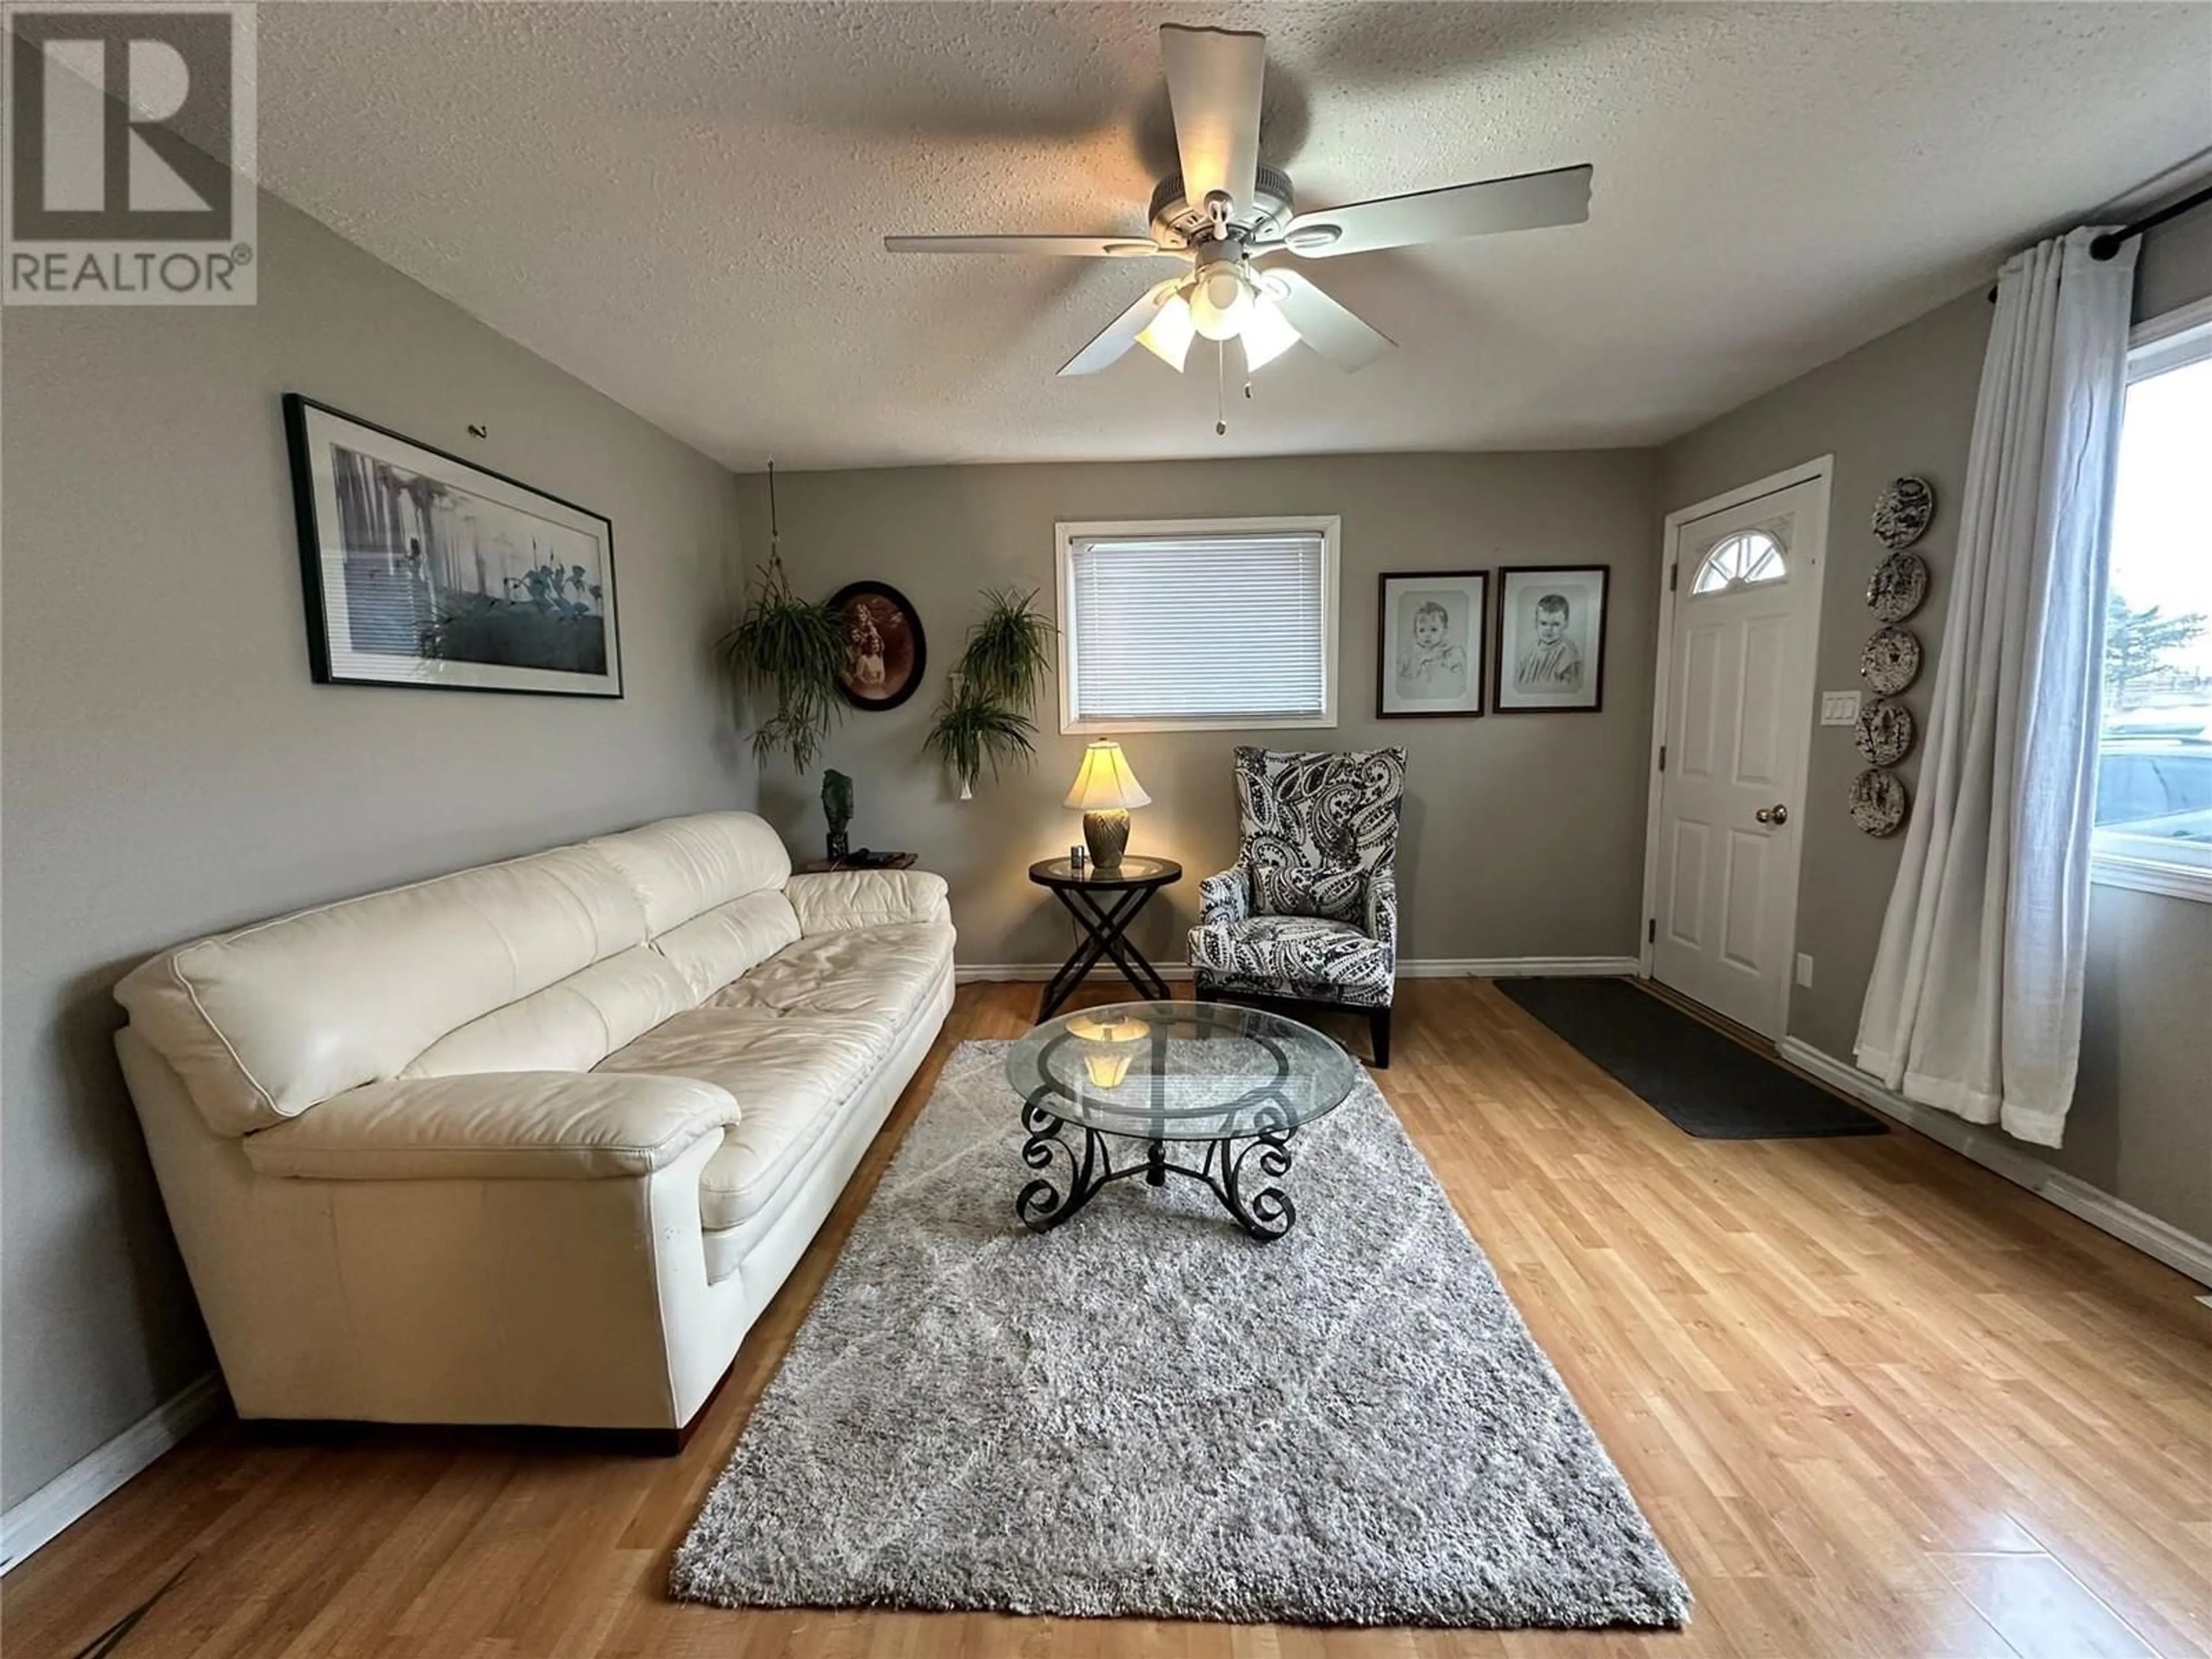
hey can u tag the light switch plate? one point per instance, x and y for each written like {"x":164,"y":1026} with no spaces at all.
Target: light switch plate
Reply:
{"x":1839,"y":708}
{"x":1804,"y":969}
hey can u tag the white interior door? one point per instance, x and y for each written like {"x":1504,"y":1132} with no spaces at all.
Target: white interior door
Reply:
{"x":1745,"y":599}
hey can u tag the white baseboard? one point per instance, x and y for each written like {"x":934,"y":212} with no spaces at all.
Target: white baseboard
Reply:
{"x":967,"y":973}
{"x":1518,"y":967}
{"x":1993,"y":1151}
{"x":73,"y":1493}
{"x":1424,"y":968}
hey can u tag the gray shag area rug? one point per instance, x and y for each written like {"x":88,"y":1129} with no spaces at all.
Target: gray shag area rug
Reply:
{"x":1146,"y":1413}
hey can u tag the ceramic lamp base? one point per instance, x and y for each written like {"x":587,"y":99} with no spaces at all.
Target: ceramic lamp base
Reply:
{"x":1107,"y":835}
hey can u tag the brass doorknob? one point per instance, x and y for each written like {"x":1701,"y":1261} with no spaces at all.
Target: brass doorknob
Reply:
{"x":1776,"y":813}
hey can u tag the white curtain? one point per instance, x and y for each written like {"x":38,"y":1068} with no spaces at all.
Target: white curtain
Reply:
{"x":1975,"y":1002}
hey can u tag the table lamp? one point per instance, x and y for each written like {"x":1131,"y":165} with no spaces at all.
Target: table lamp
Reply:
{"x":1105,"y":789}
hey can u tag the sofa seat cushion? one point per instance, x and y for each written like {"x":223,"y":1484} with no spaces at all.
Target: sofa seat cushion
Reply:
{"x":496,"y":1126}
{"x":1294,"y":957}
{"x":881,"y":971}
{"x":789,"y":1072}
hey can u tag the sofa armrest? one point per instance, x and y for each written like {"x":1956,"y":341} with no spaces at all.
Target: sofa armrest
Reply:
{"x":498,"y":1125}
{"x":1382,"y":908}
{"x":1225,"y":897}
{"x":838,"y":901}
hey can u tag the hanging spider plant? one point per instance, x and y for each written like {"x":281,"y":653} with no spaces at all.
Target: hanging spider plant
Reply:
{"x":971,"y":733}
{"x":790,"y":651}
{"x":1009,"y":652}
{"x":983,"y":718}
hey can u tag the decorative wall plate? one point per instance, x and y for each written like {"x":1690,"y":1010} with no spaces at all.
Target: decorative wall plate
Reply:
{"x":1878,"y":802}
{"x":1891,"y":661}
{"x":1897,"y":588}
{"x":1902,"y":511}
{"x":1885,"y":732}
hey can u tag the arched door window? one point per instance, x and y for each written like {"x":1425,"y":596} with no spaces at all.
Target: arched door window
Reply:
{"x":1744,"y":559}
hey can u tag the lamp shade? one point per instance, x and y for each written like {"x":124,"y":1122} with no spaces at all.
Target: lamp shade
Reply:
{"x":1267,"y":334}
{"x":1106,"y":781}
{"x":1168,"y":335}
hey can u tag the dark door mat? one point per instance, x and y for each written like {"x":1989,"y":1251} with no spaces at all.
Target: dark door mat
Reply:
{"x":1706,"y":1084}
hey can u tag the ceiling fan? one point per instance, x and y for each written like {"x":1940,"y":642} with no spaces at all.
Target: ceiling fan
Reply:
{"x":1231,"y":216}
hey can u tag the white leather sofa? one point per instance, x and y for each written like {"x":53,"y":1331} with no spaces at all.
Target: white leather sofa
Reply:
{"x":531,"y":1143}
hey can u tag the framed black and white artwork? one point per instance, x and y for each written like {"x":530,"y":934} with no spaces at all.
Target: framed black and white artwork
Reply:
{"x":421,"y":569}
{"x":1550,"y":654}
{"x":1428,"y":645}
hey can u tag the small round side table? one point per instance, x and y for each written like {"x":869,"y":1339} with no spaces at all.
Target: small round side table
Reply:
{"x":1105,"y":903}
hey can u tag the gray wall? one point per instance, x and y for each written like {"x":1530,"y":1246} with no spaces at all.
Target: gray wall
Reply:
{"x":1523,"y":833}
{"x":1905,"y":403}
{"x":169,"y":769}
{"x":2173,"y":266}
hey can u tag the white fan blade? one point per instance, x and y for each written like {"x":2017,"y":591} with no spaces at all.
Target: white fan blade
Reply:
{"x":1341,"y":337}
{"x":1213,"y":88}
{"x":1121,"y":333}
{"x":1528,"y":202}
{"x":1076,"y":247}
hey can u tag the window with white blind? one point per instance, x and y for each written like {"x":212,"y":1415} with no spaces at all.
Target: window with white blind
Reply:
{"x":1198,"y":624}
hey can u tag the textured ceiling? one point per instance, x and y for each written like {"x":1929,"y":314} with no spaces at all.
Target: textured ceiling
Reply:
{"x":682,"y":204}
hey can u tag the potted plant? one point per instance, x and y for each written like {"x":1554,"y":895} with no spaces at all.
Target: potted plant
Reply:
{"x":791,"y":651}
{"x":983,"y":718}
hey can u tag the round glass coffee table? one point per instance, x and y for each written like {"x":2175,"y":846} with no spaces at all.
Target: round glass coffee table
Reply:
{"x":1110,"y":1090}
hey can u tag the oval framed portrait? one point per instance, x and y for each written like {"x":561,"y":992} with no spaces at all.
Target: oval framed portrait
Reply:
{"x":884,"y":651}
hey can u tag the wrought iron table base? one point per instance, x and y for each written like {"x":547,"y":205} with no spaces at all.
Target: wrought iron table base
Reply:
{"x":1265,"y":1211}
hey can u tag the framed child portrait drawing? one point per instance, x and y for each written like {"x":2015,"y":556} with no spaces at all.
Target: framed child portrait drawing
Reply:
{"x":1550,"y":651}
{"x":1428,"y":647}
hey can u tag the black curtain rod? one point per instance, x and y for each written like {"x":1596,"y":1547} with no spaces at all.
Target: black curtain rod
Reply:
{"x":2105,"y":247}
{"x":2109,"y":244}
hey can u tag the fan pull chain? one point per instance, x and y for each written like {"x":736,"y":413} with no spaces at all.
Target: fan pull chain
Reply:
{"x":1220,"y":388}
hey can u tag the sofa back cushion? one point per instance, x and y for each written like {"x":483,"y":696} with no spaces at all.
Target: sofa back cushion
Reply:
{"x":545,"y":963}
{"x":1316,"y":826}
{"x":571,"y":1025}
{"x":684,"y":867}
{"x":264,"y":1023}
{"x":711,"y":950}
{"x":712,"y":891}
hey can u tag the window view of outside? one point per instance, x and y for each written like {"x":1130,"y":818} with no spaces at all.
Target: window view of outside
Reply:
{"x":2155,"y":774}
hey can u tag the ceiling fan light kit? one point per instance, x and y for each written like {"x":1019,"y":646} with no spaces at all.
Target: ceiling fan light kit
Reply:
{"x":1267,"y":334}
{"x":1231,"y":216}
{"x":1167,"y":337}
{"x":1220,"y":298}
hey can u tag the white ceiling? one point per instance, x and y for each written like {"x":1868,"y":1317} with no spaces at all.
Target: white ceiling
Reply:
{"x":682,"y":204}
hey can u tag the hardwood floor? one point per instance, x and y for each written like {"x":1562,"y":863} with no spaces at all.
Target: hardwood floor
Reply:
{"x":1875,"y":1401}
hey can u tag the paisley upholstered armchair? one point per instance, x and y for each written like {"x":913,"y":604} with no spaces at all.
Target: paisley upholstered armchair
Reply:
{"x":1309,"y":913}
